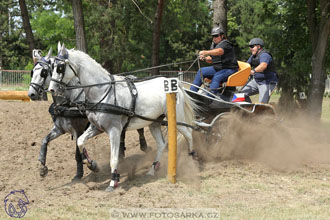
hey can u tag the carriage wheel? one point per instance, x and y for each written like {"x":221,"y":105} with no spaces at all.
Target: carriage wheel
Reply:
{"x":216,"y":134}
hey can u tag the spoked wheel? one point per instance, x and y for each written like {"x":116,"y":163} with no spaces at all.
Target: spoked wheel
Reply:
{"x":211,"y":141}
{"x":216,"y":134}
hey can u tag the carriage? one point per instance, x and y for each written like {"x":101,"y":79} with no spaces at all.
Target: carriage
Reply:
{"x":216,"y":109}
{"x":114,"y":104}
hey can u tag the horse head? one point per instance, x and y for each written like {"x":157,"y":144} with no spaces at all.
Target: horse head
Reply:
{"x":40,"y":76}
{"x":61,"y":75}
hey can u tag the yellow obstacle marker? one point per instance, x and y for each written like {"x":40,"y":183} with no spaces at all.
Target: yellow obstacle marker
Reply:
{"x":15,"y":95}
{"x":171,"y":88}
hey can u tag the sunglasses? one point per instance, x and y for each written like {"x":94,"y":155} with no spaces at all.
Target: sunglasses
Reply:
{"x":251,"y":46}
{"x":215,"y":35}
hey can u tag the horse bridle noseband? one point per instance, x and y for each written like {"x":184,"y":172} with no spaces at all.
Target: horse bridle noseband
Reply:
{"x":44,"y":73}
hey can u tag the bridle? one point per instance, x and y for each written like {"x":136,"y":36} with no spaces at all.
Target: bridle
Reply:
{"x":45,"y":72}
{"x":61,"y":61}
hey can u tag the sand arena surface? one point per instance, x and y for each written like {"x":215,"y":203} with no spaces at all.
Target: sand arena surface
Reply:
{"x":261,"y":168}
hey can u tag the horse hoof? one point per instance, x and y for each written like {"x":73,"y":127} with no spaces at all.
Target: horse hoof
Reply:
{"x":43,"y":171}
{"x":151,"y":172}
{"x":194,"y":156}
{"x":93,"y":166}
{"x":143,"y":145}
{"x":157,"y":165}
{"x":110,"y":189}
{"x":77,"y":178}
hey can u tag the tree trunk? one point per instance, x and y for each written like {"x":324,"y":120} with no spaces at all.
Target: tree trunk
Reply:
{"x":220,"y":14}
{"x":319,"y":34}
{"x":156,"y":36}
{"x":79,"y":25}
{"x":26,"y":24}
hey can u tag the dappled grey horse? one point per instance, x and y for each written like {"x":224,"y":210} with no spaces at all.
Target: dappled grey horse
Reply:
{"x":66,"y":117}
{"x":113,"y":101}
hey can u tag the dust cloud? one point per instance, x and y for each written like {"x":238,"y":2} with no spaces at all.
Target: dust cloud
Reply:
{"x":283,"y":143}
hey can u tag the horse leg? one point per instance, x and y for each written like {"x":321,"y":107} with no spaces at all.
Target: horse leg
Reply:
{"x":143,"y":142}
{"x":80,"y":167}
{"x":53,"y":134}
{"x":122,"y":147}
{"x":156,"y":132}
{"x":114,"y":151}
{"x":89,"y":133}
{"x":187,"y":133}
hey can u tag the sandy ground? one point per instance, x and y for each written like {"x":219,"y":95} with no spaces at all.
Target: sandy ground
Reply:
{"x":262,"y":169}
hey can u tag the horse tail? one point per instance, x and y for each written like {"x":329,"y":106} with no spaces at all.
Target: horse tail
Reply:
{"x":190,"y":107}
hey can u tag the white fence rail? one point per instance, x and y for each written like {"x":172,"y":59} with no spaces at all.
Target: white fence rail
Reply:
{"x":14,"y":79}
{"x":20,"y":79}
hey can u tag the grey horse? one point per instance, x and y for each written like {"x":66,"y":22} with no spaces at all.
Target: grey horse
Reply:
{"x":67,"y":117}
{"x":109,"y":106}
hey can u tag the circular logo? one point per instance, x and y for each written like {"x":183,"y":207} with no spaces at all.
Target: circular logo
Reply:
{"x":15,"y":204}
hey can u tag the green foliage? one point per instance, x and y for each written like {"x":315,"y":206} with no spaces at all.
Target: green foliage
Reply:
{"x":13,"y":43}
{"x":119,"y":36}
{"x":29,"y":66}
{"x":186,"y":30}
{"x":26,"y":79}
{"x":51,"y":27}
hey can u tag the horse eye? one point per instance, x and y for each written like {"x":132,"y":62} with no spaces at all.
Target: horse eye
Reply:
{"x":31,"y":73}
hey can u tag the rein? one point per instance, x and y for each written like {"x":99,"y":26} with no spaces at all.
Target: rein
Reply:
{"x":114,"y":108}
{"x":156,"y":67}
{"x":64,"y":59}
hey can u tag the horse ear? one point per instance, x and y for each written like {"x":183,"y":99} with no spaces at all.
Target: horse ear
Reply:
{"x":58,"y":47}
{"x":63,"y":50}
{"x":49,"y":53}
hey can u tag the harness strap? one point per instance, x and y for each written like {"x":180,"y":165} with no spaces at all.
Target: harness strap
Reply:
{"x":134,"y":94}
{"x":109,"y":108}
{"x":114,"y":87}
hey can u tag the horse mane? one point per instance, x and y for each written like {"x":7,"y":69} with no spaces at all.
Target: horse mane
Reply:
{"x":82,"y":57}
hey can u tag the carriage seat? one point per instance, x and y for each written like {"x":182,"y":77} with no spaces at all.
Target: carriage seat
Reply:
{"x":237,"y":79}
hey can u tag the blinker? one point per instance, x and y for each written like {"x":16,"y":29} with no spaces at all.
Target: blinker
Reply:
{"x":43,"y":73}
{"x":61,"y":68}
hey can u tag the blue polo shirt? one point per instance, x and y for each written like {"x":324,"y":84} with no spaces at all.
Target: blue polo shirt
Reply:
{"x":266,"y":76}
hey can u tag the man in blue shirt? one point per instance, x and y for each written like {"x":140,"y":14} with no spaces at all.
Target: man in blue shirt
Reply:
{"x":222,"y":57}
{"x":263,"y":72}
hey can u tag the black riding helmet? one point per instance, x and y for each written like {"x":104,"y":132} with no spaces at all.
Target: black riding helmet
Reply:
{"x":217,"y":31}
{"x":256,"y":41}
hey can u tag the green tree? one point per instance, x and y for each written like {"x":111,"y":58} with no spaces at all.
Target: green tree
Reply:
{"x":79,"y":25}
{"x":14,"y":49}
{"x":318,"y":14}
{"x":26,"y":25}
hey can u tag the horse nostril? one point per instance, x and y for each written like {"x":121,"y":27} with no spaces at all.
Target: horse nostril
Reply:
{"x":52,"y":90}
